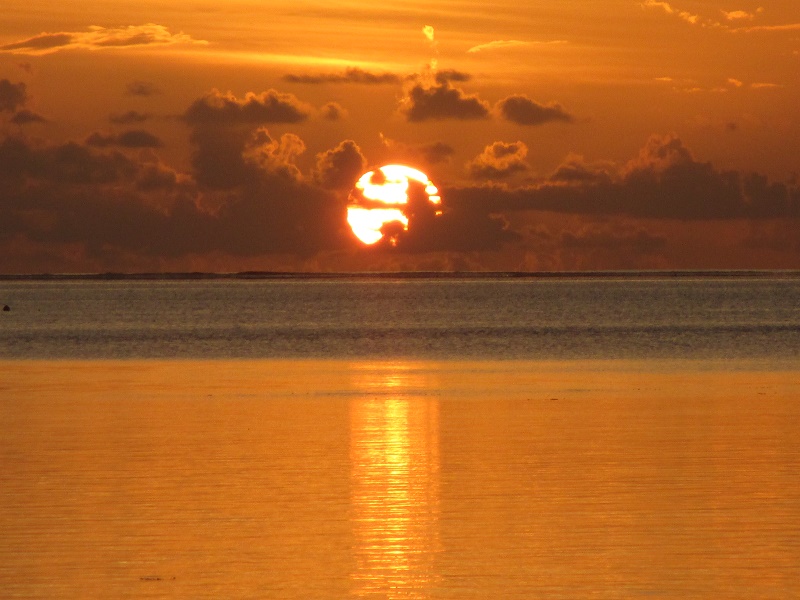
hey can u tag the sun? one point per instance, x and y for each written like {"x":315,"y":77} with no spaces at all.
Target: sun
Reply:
{"x":383,"y":202}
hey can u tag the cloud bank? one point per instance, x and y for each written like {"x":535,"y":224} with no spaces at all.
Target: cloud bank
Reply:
{"x":100,"y":38}
{"x":267,"y":107}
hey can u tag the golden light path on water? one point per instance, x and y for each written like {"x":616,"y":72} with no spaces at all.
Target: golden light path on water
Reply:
{"x":381,"y":197}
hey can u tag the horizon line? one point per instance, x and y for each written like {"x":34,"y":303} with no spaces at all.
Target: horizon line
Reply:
{"x":267,"y":275}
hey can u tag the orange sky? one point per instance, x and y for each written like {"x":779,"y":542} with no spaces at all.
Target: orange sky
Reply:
{"x":562,"y":135}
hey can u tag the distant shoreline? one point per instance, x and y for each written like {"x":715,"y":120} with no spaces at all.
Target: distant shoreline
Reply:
{"x":291,"y":275}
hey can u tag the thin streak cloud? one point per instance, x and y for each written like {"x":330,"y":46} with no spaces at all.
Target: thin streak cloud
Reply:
{"x":510,"y":44}
{"x":350,"y":75}
{"x":97,"y":38}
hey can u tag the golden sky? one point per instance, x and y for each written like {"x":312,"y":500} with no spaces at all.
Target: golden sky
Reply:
{"x":622,"y":134}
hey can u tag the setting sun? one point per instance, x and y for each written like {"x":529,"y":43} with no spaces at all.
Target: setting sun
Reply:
{"x":382,"y":197}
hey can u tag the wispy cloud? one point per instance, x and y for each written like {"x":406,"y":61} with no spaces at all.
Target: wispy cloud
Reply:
{"x":350,"y":75}
{"x":784,"y":27}
{"x":741,"y":15}
{"x":733,"y":21}
{"x":509,"y":44}
{"x":98,"y":38}
{"x":670,"y":10}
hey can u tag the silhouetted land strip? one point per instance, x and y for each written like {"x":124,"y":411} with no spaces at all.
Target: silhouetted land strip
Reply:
{"x":287,"y":275}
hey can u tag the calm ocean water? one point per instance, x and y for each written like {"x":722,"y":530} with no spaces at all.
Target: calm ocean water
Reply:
{"x":400,"y":439}
{"x":708,"y":318}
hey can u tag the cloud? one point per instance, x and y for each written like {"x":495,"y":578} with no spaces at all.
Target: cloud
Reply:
{"x":351,"y":75}
{"x":765,"y":86}
{"x":135,"y":138}
{"x":267,"y":107}
{"x":69,"y":163}
{"x":499,"y":160}
{"x":340,"y":167}
{"x":428,"y":154}
{"x":25,"y":116}
{"x":575,"y":170}
{"x":524,"y":111}
{"x":731,"y":23}
{"x":442,"y":102}
{"x":428,"y":32}
{"x":141,"y":88}
{"x":668,"y":8}
{"x":12,"y":95}
{"x":274,"y":156}
{"x":663,"y":182}
{"x":132,"y":116}
{"x":768,"y":28}
{"x":333,"y":111}
{"x":97,"y":38}
{"x":459,"y":229}
{"x":498,"y":45}
{"x":115,"y":207}
{"x":607,"y":238}
{"x":445,"y":75}
{"x":512,"y":44}
{"x":114,"y":210}
{"x":741,"y":15}
{"x":435,"y":152}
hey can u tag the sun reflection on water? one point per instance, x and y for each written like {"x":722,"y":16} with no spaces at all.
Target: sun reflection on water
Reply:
{"x":394,"y":456}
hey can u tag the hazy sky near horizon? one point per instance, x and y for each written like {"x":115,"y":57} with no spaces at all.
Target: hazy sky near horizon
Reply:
{"x":139,"y":136}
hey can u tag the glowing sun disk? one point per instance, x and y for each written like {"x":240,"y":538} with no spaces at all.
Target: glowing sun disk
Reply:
{"x":366,"y":223}
{"x":389,"y":186}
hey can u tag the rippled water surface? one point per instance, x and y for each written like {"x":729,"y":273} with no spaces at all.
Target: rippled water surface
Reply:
{"x":396,"y":439}
{"x":398,"y":479}
{"x":402,"y":318}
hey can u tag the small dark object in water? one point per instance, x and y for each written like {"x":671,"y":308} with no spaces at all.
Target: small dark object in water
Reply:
{"x":6,"y":308}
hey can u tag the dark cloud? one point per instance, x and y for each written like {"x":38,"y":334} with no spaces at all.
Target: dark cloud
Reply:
{"x":141,"y":88}
{"x":113,"y":205}
{"x":524,"y":111}
{"x":226,"y":158}
{"x":333,"y":111}
{"x":246,"y":197}
{"x":68,"y":164}
{"x":25,"y":116}
{"x":442,"y":102}
{"x":12,"y":95}
{"x":267,"y":107}
{"x":340,"y":167}
{"x":663,"y":181}
{"x":499,"y":160}
{"x":156,"y":176}
{"x":217,"y":160}
{"x":429,"y":154}
{"x":436,"y":152}
{"x":266,"y":206}
{"x":457,"y":229}
{"x":597,"y":238}
{"x":44,"y":41}
{"x":350,"y":75}
{"x":574,"y":169}
{"x":132,"y":116}
{"x":135,"y":138}
{"x":446,"y":75}
{"x":274,"y":156}
{"x":100,"y":37}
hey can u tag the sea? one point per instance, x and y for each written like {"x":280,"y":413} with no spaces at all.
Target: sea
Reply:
{"x":477,"y":436}
{"x":624,"y":317}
